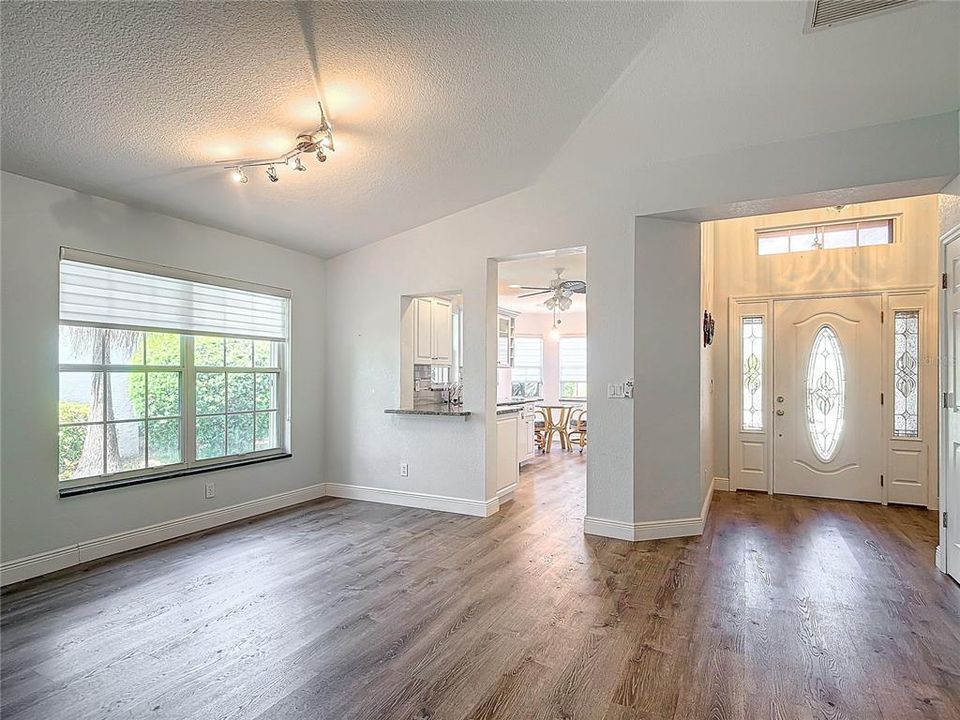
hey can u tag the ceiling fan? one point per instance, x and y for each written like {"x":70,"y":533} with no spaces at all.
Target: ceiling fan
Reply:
{"x":561,"y":291}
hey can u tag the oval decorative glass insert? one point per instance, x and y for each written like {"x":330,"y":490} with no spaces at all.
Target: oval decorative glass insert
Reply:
{"x":826,"y":389}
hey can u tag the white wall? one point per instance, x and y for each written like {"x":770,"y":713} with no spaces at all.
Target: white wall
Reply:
{"x":540,"y":324}
{"x":668,"y":358}
{"x":740,"y":272}
{"x":453,"y":457}
{"x":36,"y":220}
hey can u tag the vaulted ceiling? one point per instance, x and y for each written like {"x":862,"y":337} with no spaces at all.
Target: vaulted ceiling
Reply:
{"x":435,"y":106}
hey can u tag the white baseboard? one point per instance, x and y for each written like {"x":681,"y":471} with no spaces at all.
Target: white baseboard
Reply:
{"x":721,"y":483}
{"x":940,"y":560}
{"x":651,"y":529}
{"x":426,"y":501}
{"x":39,"y":564}
{"x":603,"y":527}
{"x":52,"y":560}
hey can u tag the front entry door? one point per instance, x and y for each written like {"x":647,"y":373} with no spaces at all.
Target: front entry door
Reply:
{"x":827,"y":422}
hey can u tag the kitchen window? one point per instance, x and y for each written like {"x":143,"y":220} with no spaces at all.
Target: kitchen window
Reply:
{"x":528,"y":359}
{"x":573,"y":368}
{"x":164,"y":372}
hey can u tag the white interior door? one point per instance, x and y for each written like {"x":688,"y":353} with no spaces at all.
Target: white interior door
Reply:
{"x":827,"y":418}
{"x":951,"y":412}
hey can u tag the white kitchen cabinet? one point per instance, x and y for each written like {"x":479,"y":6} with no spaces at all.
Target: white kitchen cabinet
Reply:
{"x":433,"y":331}
{"x":442,"y":321}
{"x":508,"y":467}
{"x":526,"y":439}
{"x":506,"y":324}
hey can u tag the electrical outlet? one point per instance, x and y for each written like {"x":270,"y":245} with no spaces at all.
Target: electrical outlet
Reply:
{"x":404,"y":470}
{"x":210,"y":490}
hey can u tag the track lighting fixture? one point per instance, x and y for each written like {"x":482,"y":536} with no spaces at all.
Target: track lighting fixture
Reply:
{"x":319,"y":141}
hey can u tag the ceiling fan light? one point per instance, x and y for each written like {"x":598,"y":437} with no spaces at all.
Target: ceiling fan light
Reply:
{"x":550,"y":302}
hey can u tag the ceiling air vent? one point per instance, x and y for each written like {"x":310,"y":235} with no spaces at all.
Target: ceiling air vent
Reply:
{"x":825,"y":13}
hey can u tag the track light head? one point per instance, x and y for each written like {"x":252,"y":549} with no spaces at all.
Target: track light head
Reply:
{"x":319,"y":141}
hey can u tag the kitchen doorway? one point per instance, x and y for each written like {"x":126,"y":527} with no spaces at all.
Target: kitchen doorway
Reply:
{"x":542,"y":418}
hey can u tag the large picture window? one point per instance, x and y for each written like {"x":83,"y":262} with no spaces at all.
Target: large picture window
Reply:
{"x":146,"y":387}
{"x":573,"y":368}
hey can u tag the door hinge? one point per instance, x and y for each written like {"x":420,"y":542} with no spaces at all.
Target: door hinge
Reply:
{"x":945,"y":518}
{"x":881,"y":317}
{"x":881,"y":481}
{"x":881,"y":398}
{"x":943,"y":281}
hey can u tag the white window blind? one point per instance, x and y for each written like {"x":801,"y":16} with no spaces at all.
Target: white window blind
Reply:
{"x":528,"y":359}
{"x":110,"y":292}
{"x":573,"y":367}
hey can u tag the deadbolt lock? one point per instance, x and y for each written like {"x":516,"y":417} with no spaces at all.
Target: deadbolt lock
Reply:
{"x":779,"y":412}
{"x":779,"y":398}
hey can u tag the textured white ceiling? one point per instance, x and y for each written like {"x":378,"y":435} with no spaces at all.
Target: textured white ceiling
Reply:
{"x":538,"y":272}
{"x":436,"y":106}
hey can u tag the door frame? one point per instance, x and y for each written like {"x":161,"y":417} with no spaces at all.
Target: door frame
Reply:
{"x":945,"y":489}
{"x":924,"y":298}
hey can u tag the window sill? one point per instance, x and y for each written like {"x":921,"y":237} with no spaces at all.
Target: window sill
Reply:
{"x":127,"y":482}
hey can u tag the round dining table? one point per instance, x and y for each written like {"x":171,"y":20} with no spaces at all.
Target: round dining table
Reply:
{"x":557,"y":420}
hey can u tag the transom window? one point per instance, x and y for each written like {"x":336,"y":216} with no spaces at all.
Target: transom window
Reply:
{"x":862,"y":233}
{"x":137,"y":400}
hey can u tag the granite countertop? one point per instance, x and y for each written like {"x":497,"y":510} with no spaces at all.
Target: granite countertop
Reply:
{"x":519,"y":401}
{"x":515,"y":404}
{"x":436,"y":409}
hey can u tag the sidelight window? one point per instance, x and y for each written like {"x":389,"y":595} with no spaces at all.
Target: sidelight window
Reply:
{"x":906,"y":373}
{"x":751,"y":333}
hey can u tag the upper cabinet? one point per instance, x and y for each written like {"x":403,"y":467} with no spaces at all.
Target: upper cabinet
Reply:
{"x":433,"y":332}
{"x":506,"y":322}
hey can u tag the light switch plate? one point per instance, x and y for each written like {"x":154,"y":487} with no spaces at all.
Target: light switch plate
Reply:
{"x":404,"y":470}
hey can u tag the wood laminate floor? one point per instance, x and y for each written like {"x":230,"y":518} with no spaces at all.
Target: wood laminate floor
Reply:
{"x":785,"y":608}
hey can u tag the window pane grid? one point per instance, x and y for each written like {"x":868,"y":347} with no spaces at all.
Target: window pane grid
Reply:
{"x":118,"y":418}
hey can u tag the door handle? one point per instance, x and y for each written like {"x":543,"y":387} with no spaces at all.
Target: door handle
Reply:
{"x":779,"y":398}
{"x":779,"y":412}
